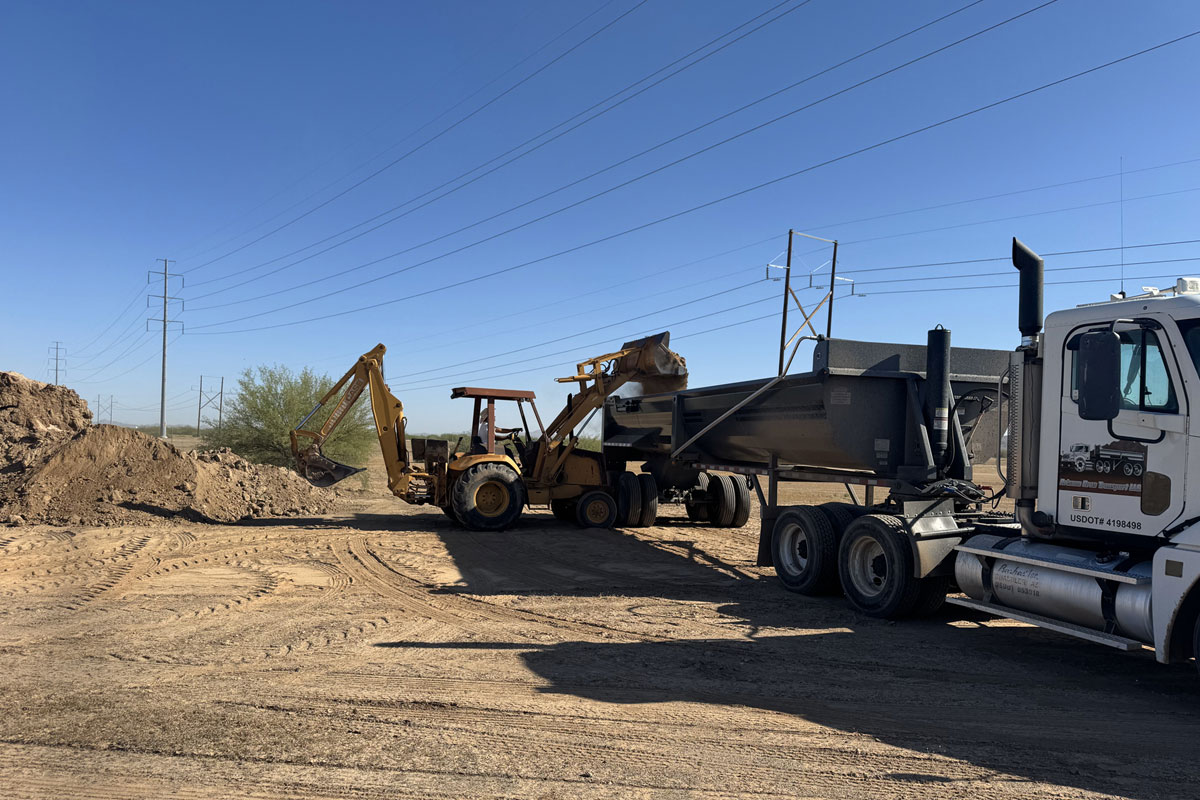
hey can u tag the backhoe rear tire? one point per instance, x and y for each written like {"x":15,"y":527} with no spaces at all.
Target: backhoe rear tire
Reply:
{"x":629,"y":501}
{"x":649,"y":500}
{"x":488,"y":496}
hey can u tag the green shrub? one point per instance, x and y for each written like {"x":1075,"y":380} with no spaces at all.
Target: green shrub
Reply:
{"x":270,"y":401}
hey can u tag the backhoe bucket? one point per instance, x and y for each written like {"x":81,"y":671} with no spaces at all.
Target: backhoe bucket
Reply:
{"x":655,"y":366}
{"x":321,"y":471}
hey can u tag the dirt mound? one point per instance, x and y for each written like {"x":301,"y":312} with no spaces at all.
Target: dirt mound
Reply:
{"x":56,"y":468}
{"x":34,"y":415}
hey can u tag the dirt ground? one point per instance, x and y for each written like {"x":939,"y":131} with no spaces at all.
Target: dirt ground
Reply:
{"x":378,"y":651}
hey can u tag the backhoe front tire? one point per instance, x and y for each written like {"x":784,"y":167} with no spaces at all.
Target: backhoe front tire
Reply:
{"x":488,"y":497}
{"x":596,"y":509}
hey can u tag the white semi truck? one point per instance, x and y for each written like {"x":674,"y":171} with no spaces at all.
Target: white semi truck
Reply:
{"x":1104,"y":543}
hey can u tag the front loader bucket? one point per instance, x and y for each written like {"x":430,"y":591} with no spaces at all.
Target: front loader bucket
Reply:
{"x":321,"y":471}
{"x":654,"y":364}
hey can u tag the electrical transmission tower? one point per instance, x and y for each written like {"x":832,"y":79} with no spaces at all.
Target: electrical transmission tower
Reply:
{"x":101,"y":407}
{"x":58,"y":354}
{"x":209,"y":398}
{"x":166,"y":299}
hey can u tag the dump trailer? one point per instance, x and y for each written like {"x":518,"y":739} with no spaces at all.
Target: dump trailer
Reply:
{"x":1094,"y":409}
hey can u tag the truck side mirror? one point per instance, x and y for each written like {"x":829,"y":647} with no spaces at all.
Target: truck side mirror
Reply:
{"x":1098,"y":373}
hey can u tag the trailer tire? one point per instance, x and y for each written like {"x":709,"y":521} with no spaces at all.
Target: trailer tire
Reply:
{"x":932,"y":596}
{"x":875,"y":563}
{"x":804,"y":550}
{"x":649,"y":500}
{"x":563,"y":509}
{"x":840,"y":516}
{"x":596,"y":509}
{"x":697,"y":509}
{"x":488,"y":496}
{"x":629,"y":501}
{"x":722,"y":500}
{"x":741,"y":511}
{"x":1127,"y":468}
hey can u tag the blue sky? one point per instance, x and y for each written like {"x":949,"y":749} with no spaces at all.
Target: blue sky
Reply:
{"x":139,"y":131}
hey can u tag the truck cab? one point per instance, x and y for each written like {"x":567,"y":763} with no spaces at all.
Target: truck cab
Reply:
{"x":1127,"y":476}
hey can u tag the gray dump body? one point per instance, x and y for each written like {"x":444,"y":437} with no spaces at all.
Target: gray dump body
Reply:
{"x":859,"y":409}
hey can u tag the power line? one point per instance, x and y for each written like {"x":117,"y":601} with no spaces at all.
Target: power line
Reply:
{"x":1009,"y":272}
{"x":124,"y":311}
{"x":131,"y":369}
{"x":1014,"y":286}
{"x":520,"y":156}
{"x":409,"y":107}
{"x":710,"y":203}
{"x":428,"y":141}
{"x":617,"y":186}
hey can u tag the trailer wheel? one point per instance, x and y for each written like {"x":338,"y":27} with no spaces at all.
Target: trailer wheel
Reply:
{"x":741,"y":501}
{"x":932,"y":595}
{"x":804,"y":550}
{"x":875,"y":563}
{"x":488,"y":497}
{"x":697,"y":509}
{"x":722,"y":500}
{"x":1137,"y":470}
{"x":596,"y":509}
{"x":563,"y":509}
{"x":649,"y":500}
{"x":629,"y":500}
{"x":840,"y":516}
{"x":1127,"y":468}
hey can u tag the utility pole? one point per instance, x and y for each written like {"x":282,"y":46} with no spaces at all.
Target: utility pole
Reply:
{"x":101,"y":408}
{"x":58,"y":355}
{"x":166,"y":298}
{"x":210,"y":398}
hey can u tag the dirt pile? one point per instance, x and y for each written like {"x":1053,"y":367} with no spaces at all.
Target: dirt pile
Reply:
{"x":56,"y":468}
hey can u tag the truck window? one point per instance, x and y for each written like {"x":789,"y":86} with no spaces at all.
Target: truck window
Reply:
{"x":1190,"y":328}
{"x":1145,"y":382}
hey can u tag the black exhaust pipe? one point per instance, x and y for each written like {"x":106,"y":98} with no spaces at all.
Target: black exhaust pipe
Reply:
{"x":1030,"y":265}
{"x":937,"y":393}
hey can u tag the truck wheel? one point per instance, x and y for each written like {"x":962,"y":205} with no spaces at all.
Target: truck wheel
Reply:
{"x":649,"y":500}
{"x":839,"y":515}
{"x":741,"y":501}
{"x":697,"y":509}
{"x":563,"y":509}
{"x":722,"y":500}
{"x":596,"y":509}
{"x":804,"y":550}
{"x":488,"y":497}
{"x":1127,"y":468}
{"x":932,"y":595}
{"x":1137,"y":469}
{"x":875,"y":563}
{"x":629,"y":500}
{"x":1080,"y":465}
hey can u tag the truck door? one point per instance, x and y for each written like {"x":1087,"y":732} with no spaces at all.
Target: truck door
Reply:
{"x":1126,"y":474}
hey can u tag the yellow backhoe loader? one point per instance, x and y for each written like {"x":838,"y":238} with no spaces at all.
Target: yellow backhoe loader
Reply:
{"x":487,"y":486}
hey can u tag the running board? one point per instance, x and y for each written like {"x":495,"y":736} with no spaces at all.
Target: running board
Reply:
{"x":1067,"y":628}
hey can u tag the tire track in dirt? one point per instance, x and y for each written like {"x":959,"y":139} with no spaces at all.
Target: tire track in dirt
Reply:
{"x":465,"y":613}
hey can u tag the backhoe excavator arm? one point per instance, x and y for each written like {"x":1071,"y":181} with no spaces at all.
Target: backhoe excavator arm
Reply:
{"x":367,"y":373}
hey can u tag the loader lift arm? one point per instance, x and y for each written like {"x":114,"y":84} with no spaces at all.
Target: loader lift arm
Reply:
{"x":367,"y":373}
{"x":648,"y":361}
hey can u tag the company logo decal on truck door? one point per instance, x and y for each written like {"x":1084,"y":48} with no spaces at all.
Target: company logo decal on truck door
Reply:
{"x":1114,"y":468}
